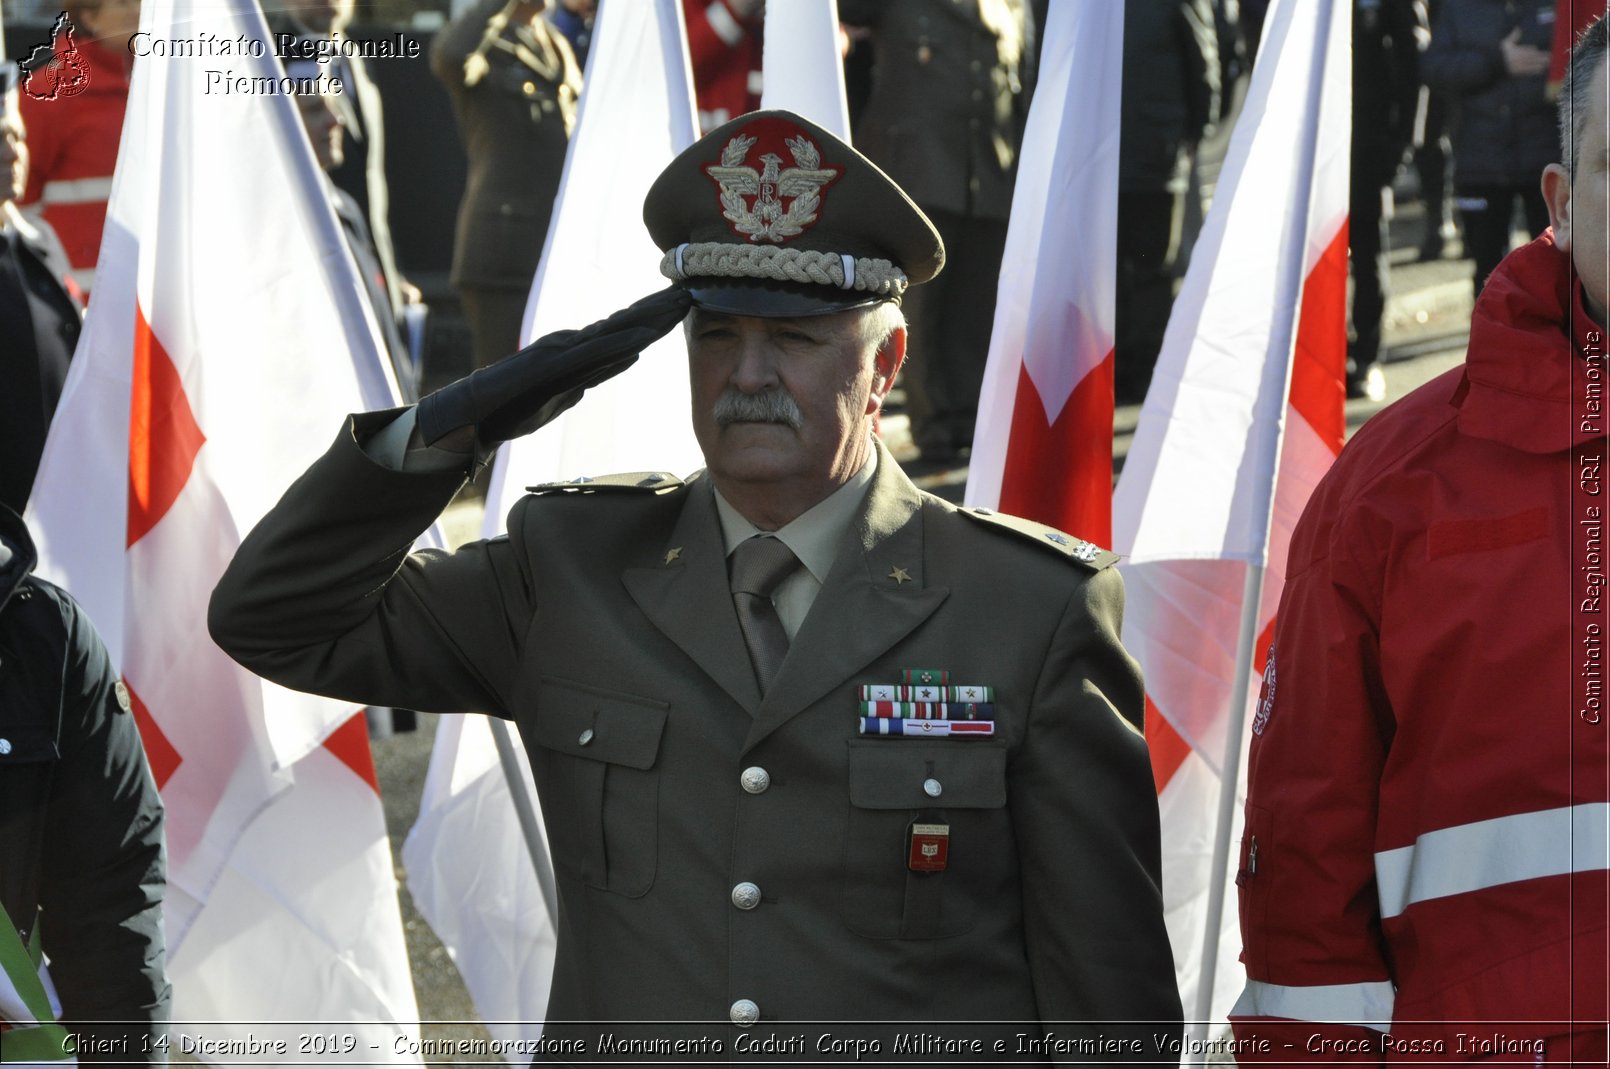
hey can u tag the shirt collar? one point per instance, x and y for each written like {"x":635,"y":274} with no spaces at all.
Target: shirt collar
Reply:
{"x":815,"y":534}
{"x":13,"y":221}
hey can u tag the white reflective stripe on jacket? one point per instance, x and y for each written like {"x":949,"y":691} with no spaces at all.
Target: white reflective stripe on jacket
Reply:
{"x":1367,"y":1004}
{"x":1489,"y":853}
{"x":76,"y":191}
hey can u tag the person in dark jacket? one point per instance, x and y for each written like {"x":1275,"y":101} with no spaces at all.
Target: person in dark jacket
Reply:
{"x":1388,"y":36}
{"x":361,"y":171}
{"x":81,"y":824}
{"x":40,"y":313}
{"x":1491,"y":57}
{"x":1433,"y":164}
{"x":1171,"y":98}
{"x":514,"y":82}
{"x":326,"y":130}
{"x":945,"y":115}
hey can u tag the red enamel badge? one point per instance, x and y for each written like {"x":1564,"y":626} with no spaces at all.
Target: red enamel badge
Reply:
{"x":929,"y":849}
{"x":760,"y":197}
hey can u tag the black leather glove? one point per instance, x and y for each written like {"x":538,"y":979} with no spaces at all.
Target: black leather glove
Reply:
{"x":522,"y":392}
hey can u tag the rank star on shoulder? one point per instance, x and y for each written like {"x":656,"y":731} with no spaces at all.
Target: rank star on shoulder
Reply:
{"x":899,"y":575}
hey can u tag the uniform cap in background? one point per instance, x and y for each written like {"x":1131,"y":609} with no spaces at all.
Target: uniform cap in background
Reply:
{"x":771,"y":215}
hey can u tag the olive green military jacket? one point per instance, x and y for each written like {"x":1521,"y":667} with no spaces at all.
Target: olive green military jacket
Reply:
{"x":603,"y":626}
{"x":946,"y":114}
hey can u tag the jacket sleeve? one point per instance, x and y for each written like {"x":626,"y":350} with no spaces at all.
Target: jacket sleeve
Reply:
{"x":44,"y":145}
{"x":459,"y":38}
{"x":1410,"y":35}
{"x":1199,"y":52}
{"x":1457,"y":63}
{"x":712,"y":34}
{"x":103,"y":867}
{"x":1310,"y":919}
{"x":1085,"y":818}
{"x":323,"y":596}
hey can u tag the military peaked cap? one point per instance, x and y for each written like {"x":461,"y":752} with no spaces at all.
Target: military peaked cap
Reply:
{"x":771,"y":215}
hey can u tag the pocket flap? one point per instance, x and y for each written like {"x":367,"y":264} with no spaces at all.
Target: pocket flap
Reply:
{"x":600,"y":725}
{"x":891,"y":774}
{"x":1452,"y":537}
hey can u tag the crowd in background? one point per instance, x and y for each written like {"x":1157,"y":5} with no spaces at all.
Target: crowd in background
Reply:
{"x":1451,"y":103}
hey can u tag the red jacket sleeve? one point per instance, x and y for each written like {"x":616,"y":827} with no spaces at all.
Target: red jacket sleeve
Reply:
{"x":714,"y":30}
{"x":44,"y":145}
{"x":1309,"y":916}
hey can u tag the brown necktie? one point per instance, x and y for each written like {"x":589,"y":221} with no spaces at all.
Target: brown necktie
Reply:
{"x":757,"y":567}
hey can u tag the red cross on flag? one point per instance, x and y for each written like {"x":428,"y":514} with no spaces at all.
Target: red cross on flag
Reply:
{"x":1043,"y":445}
{"x":228,"y":335}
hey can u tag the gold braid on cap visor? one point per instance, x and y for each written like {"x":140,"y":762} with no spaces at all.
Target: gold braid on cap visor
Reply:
{"x":710,"y":259}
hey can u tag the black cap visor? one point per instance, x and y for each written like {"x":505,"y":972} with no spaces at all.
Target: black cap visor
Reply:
{"x":774,"y":300}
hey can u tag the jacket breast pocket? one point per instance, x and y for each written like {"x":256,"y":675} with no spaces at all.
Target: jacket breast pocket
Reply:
{"x":1449,"y":538}
{"x":897,"y":783}
{"x":595,"y":762}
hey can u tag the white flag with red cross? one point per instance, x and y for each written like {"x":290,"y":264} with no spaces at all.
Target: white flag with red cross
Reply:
{"x":228,"y":337}
{"x":1244,"y":415}
{"x":1043,"y":444}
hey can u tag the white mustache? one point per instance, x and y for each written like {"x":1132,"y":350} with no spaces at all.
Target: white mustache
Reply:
{"x":768,"y":406}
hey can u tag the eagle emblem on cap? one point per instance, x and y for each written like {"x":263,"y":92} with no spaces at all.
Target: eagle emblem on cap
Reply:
{"x":771,"y":204}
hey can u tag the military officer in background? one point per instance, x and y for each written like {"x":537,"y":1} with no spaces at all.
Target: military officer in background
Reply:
{"x":514,"y":83}
{"x":813,"y":747}
{"x":949,"y":99}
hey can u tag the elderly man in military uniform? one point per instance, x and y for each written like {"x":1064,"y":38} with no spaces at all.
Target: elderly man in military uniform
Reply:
{"x":815,"y":749}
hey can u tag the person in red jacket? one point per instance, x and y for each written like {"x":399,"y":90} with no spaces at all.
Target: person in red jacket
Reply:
{"x":726,"y":39}
{"x":73,"y":136}
{"x":1423,"y":871}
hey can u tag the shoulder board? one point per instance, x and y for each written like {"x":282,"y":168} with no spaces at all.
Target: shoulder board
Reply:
{"x":1077,"y":550}
{"x":656,"y":482}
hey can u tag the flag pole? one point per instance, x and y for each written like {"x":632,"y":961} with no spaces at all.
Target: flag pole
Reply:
{"x":1245,"y":645}
{"x":536,"y":846}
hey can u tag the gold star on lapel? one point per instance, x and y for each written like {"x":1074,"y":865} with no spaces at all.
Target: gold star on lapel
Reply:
{"x":899,"y":575}
{"x":672,"y":554}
